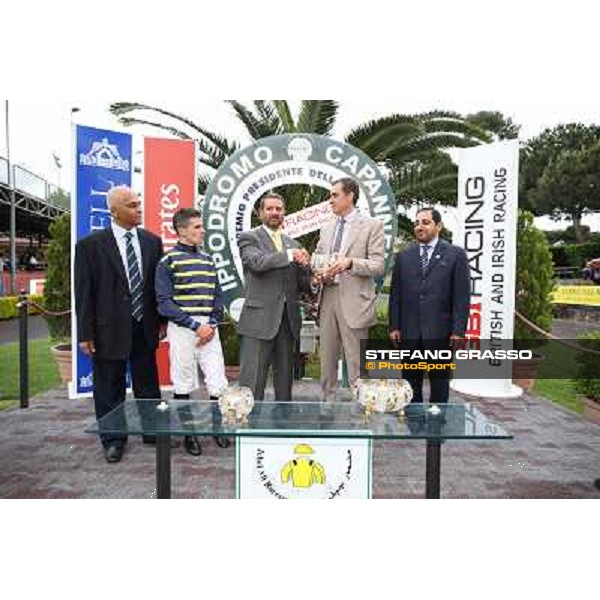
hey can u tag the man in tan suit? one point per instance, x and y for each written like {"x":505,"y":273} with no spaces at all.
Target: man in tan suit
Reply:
{"x":348,"y":299}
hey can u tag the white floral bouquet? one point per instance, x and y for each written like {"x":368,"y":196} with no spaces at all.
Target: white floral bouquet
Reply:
{"x":383,"y":395}
{"x":236,"y":403}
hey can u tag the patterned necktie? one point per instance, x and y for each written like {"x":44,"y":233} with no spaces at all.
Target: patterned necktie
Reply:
{"x":337,"y":244}
{"x":135,"y":279}
{"x":424,"y":257}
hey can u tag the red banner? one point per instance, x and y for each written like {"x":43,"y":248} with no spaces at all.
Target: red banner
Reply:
{"x":169,"y":185}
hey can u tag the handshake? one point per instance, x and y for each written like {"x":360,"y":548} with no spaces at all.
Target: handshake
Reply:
{"x":324,"y":267}
{"x":301,"y":257}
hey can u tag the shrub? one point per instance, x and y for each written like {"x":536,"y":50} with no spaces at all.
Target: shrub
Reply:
{"x":534,"y":280}
{"x":575,"y":255}
{"x":57,"y":289}
{"x":9,"y":310}
{"x":588,"y":381}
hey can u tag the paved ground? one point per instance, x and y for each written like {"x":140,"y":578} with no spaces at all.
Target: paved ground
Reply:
{"x":9,"y":330}
{"x":570,"y":329}
{"x":555,"y":454}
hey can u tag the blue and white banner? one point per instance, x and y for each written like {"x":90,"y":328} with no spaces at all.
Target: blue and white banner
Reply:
{"x":103,"y":159}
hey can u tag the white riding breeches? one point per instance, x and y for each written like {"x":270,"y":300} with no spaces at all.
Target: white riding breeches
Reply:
{"x":186,"y":355}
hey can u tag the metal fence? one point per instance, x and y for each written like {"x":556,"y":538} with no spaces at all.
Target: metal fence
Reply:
{"x":33,"y":185}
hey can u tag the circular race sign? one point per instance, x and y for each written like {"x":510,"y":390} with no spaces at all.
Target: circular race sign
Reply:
{"x":286,"y":160}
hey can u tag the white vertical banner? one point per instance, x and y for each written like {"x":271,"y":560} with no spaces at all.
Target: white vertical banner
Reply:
{"x":488,"y":178}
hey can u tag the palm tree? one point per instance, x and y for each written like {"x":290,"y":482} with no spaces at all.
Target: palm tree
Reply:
{"x":396,"y":142}
{"x":410,"y":147}
{"x":413,"y":149}
{"x":263,"y":119}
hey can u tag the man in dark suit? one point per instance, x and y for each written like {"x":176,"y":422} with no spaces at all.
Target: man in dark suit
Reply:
{"x":117,"y":318}
{"x":429,"y":299}
{"x":275,"y":271}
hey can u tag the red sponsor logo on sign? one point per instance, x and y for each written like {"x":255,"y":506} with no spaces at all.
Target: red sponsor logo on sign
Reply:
{"x":169,"y":185}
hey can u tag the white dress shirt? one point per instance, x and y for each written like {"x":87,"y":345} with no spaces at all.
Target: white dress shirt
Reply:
{"x":432,"y":244}
{"x":288,"y":251}
{"x":119,"y":233}
{"x":349,"y":219}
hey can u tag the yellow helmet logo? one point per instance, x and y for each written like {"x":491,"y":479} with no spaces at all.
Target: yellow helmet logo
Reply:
{"x":303,"y":449}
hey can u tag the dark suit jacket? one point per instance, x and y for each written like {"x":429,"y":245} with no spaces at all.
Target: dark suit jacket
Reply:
{"x":435,"y":305}
{"x":271,"y":282}
{"x":102,"y":297}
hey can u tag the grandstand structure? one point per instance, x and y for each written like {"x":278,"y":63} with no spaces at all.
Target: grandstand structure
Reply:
{"x":37,"y":204}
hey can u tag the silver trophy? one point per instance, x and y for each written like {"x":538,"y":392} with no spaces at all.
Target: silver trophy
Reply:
{"x":320,"y":263}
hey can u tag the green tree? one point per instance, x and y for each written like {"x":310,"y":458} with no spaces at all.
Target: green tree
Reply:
{"x":541,"y":154}
{"x":59,"y":197}
{"x":263,"y":118}
{"x":533,"y":285}
{"x":570,"y":185}
{"x":495,"y":122}
{"x":411,"y":148}
{"x":432,"y":179}
{"x":568,"y":235}
{"x":57,"y":289}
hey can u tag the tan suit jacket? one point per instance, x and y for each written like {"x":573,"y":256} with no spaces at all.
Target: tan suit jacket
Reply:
{"x":365,"y":246}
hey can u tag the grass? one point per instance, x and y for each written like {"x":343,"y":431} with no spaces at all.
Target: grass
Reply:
{"x":558,"y":359}
{"x":43,"y":372}
{"x":43,"y":376}
{"x":560,"y":391}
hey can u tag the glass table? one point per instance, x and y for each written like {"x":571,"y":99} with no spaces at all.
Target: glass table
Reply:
{"x":434,"y":424}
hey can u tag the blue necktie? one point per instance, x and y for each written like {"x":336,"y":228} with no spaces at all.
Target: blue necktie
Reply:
{"x":424,"y":257}
{"x":135,"y":279}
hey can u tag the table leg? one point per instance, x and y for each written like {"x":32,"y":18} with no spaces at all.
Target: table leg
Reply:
{"x":163,"y":467}
{"x":432,"y":469}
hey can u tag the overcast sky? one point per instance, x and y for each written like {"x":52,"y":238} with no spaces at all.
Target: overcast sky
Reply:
{"x":38,"y":129}
{"x":536,"y":63}
{"x":42,"y":127}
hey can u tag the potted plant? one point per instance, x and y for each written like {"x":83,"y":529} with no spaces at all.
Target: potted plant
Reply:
{"x":533,"y":291}
{"x":57,"y":293}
